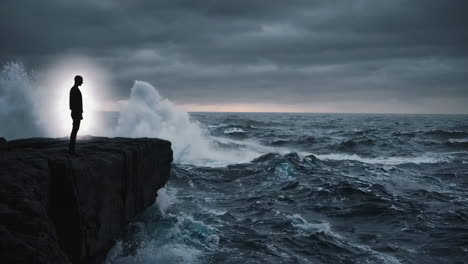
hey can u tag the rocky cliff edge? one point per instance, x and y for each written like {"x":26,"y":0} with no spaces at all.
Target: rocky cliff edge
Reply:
{"x":58,"y":208}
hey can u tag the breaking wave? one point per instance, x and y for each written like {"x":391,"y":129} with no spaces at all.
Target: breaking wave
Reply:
{"x":147,"y":114}
{"x":386,"y":160}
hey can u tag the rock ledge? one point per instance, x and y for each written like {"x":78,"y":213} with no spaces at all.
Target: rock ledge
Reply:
{"x":57,"y":208}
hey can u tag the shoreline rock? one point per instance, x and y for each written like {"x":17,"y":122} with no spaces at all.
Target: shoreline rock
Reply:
{"x":58,"y":208}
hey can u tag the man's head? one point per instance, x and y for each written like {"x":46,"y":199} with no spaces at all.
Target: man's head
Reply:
{"x":78,"y":80}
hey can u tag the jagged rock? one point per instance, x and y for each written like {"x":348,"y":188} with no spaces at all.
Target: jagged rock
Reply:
{"x":57,"y":208}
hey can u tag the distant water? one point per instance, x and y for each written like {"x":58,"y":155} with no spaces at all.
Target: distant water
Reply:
{"x":320,"y":188}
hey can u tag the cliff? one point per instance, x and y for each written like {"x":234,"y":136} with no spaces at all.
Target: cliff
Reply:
{"x":57,"y":208}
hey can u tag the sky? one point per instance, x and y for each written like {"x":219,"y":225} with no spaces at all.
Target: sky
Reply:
{"x":365,"y":56}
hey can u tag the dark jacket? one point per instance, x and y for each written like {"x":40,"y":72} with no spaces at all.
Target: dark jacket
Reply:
{"x":76,"y":102}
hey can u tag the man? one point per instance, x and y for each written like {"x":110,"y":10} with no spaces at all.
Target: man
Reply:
{"x":76,"y":107}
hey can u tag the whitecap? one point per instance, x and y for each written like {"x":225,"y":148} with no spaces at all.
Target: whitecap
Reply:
{"x":429,"y":158}
{"x":216,"y":126}
{"x":233,"y":130}
{"x":309,"y":228}
{"x":458,"y":140}
{"x":217,"y":212}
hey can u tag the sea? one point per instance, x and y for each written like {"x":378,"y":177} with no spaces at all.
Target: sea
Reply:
{"x":311,"y":188}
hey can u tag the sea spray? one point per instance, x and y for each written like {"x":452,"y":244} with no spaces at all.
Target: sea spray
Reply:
{"x":148,"y":114}
{"x":166,"y":197}
{"x":19,"y":103}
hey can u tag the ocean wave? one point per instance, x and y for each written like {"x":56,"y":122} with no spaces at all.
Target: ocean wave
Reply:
{"x":216,"y":126}
{"x":430,"y":195}
{"x":445,"y":133}
{"x":432,"y":133}
{"x":301,"y":141}
{"x":458,"y":143}
{"x":177,"y":239}
{"x":429,"y":159}
{"x":154,"y":253}
{"x":234,"y":130}
{"x":353,"y":144}
{"x":284,"y":171}
{"x":354,"y":199}
{"x":307,"y":228}
{"x":458,"y":140}
{"x":217,"y":212}
{"x":360,"y":132}
{"x":379,"y":257}
{"x":253,"y":148}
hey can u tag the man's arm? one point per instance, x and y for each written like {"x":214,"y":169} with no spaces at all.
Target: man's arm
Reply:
{"x":72,"y":100}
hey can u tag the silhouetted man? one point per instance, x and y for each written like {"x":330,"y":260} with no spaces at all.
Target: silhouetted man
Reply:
{"x":76,"y":107}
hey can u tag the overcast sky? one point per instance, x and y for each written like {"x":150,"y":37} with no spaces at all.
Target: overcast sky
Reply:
{"x":328,"y":56}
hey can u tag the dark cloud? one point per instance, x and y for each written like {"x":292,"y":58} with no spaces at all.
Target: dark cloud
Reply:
{"x":286,"y":52}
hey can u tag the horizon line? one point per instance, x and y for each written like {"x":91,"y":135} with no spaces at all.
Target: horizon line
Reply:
{"x":290,"y":112}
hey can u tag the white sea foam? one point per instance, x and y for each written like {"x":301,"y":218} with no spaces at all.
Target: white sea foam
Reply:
{"x":256,"y":148}
{"x":458,"y":140}
{"x":213,"y":127}
{"x":284,"y":171}
{"x":217,"y":212}
{"x":234,"y":130}
{"x":309,"y":228}
{"x":429,"y":158}
{"x":166,"y":197}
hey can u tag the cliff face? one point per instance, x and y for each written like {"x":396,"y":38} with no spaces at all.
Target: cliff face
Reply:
{"x":57,"y":208}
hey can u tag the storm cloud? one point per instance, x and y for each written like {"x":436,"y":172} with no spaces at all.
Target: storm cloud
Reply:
{"x":347,"y":56}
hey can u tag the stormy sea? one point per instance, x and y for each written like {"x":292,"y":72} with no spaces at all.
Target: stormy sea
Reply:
{"x":310,"y":188}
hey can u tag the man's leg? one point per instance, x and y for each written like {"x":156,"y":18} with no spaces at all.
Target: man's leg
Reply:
{"x":76,"y":127}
